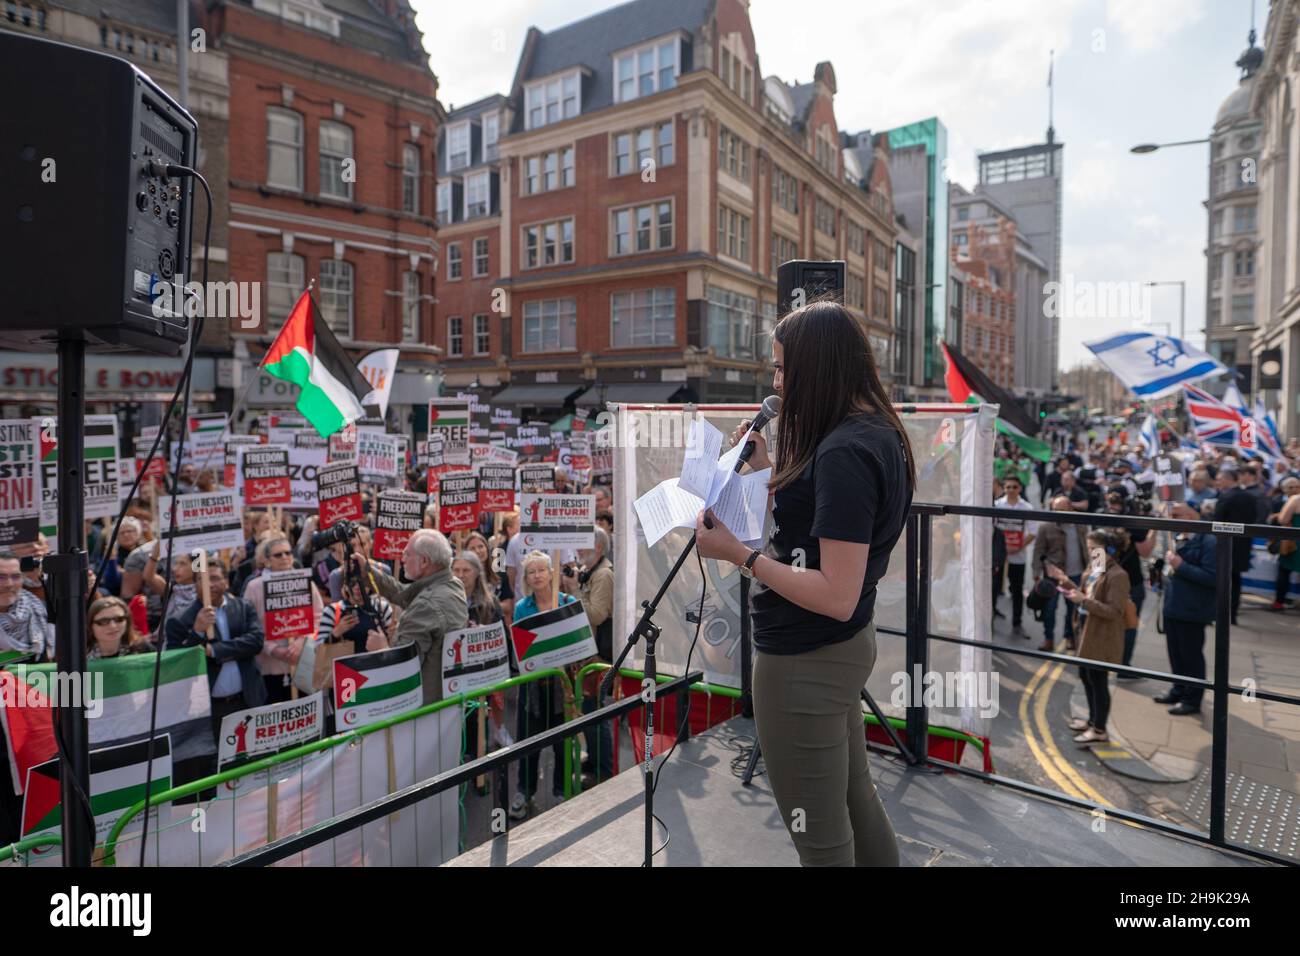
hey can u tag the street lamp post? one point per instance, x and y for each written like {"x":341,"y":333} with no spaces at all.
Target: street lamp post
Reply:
{"x":1182,"y":303}
{"x":1142,"y":148}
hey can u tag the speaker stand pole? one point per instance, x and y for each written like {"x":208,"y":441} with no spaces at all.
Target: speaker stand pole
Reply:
{"x":66,"y":575}
{"x":747,"y":680}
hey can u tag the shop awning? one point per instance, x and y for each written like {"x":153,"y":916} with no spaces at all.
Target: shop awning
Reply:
{"x":537,"y":395}
{"x":636,"y":393}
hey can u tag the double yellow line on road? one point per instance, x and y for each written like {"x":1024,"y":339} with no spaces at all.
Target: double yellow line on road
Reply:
{"x":1042,"y":746}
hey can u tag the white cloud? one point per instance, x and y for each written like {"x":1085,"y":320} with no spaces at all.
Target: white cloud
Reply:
{"x":1147,"y":25}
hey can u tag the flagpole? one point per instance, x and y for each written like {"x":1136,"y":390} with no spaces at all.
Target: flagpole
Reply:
{"x":1160,"y":418}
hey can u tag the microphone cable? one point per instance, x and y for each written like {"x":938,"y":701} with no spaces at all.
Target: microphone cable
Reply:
{"x":686,"y":711}
{"x":178,"y":171}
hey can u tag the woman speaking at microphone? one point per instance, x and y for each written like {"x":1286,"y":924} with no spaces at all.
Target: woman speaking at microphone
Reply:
{"x":843,"y":480}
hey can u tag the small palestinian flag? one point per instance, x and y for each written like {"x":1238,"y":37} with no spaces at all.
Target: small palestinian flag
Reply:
{"x":448,"y":413}
{"x":553,"y":638}
{"x":379,"y":684}
{"x":967,"y":384}
{"x":117,"y":776}
{"x":307,"y":354}
{"x":208,"y":424}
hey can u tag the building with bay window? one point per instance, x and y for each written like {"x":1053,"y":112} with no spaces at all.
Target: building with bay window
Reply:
{"x":648,"y":180}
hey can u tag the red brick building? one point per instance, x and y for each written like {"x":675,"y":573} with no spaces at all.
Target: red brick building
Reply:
{"x":333,"y":125}
{"x":646,"y":182}
{"x":984,"y":248}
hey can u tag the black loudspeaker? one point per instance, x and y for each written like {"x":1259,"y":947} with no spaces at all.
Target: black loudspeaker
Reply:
{"x":90,"y":231}
{"x":1270,"y":368}
{"x":814,"y":276}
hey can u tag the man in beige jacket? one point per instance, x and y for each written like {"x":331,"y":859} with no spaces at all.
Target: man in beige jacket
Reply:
{"x":433,"y":604}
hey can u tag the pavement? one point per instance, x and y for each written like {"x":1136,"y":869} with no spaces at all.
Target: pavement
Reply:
{"x":1159,"y":763}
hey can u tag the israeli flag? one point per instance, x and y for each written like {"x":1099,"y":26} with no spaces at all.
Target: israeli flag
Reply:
{"x":1233,"y":398}
{"x":1153,"y":365}
{"x":1262,"y":416}
{"x":1150,"y":437}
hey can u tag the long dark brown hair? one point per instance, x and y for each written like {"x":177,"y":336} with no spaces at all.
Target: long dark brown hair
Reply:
{"x":829,"y":374}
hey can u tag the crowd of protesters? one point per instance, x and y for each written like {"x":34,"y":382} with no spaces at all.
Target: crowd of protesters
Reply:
{"x":1103,"y":575}
{"x":440,"y":584}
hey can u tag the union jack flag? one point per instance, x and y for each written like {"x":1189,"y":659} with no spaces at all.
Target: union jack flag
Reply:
{"x":1220,"y":423}
{"x":1214,"y":421}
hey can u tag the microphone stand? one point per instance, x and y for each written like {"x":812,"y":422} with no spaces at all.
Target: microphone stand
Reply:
{"x":647,"y":628}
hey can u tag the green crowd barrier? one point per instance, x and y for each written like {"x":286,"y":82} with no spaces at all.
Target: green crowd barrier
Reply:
{"x":339,"y":739}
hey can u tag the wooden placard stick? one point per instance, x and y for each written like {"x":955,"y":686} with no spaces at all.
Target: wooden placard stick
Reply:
{"x":200,"y":557}
{"x":555,"y":577}
{"x":481,"y":779}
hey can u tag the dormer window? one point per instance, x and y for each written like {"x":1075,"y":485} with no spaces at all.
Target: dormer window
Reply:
{"x":827,"y":152}
{"x":553,"y":99}
{"x":305,"y":13}
{"x":734,"y":68}
{"x":491,"y":133}
{"x":646,"y":69}
{"x":458,"y":146}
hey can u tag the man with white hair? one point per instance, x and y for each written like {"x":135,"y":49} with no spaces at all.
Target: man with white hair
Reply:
{"x":433,"y":604}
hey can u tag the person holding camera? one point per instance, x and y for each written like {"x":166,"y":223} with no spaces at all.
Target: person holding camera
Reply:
{"x":360,"y":540}
{"x":365,"y":623}
{"x":433,"y":604}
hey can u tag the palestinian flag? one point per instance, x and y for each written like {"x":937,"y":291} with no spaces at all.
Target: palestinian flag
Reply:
{"x":967,"y":384}
{"x":376,"y":685}
{"x":448,"y":414}
{"x":117,"y":776}
{"x":208,"y":424}
{"x":184,"y":706}
{"x":307,"y":354}
{"x":553,"y":638}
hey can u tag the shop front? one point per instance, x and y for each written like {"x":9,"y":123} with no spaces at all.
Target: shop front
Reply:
{"x":133,"y":386}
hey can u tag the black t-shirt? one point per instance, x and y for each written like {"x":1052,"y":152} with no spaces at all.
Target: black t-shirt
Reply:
{"x":854,"y":489}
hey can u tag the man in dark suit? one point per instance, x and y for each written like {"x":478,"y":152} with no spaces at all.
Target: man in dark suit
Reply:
{"x":234,"y":680}
{"x":1239,"y":506}
{"x":1251,"y":483}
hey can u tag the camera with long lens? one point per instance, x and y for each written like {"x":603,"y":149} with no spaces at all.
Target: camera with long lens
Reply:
{"x":339,"y":533}
{"x":1139,"y":506}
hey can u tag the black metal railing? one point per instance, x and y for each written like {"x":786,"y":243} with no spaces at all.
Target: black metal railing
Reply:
{"x":378,"y":809}
{"x":918,"y":637}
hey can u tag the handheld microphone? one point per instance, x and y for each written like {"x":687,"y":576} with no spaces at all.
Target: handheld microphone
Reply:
{"x":771,"y":409}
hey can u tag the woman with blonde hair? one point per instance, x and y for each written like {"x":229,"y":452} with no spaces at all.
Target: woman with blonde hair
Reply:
{"x":541,"y":703}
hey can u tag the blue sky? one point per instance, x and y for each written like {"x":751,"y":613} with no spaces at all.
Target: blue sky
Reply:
{"x":1127,"y":71}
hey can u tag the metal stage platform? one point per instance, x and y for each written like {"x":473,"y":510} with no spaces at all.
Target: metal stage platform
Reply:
{"x":941,"y":820}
